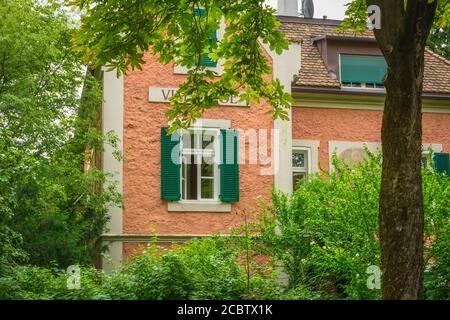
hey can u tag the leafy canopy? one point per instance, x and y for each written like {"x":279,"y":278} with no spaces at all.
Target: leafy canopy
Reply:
{"x":49,"y":208}
{"x":356,"y":15}
{"x":118,"y":33}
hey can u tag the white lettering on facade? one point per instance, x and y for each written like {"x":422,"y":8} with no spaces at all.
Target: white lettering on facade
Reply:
{"x":162,"y":95}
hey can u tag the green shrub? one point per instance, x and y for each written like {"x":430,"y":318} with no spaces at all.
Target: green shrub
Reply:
{"x":300,"y":292}
{"x":326,"y":234}
{"x":207,"y":268}
{"x":200,"y":269}
{"x":36,"y":283}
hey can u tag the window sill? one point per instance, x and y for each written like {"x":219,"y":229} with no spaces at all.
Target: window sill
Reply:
{"x":198,"y":207}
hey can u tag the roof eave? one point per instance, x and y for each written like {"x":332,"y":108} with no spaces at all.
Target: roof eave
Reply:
{"x":359,"y":92}
{"x":344,"y":38}
{"x":325,"y":22}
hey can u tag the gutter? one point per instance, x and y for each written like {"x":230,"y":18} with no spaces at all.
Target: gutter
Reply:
{"x":370,"y":93}
{"x":325,"y":22}
{"x":344,"y":38}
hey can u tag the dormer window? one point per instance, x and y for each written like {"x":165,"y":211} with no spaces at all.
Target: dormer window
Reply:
{"x":364,"y":72}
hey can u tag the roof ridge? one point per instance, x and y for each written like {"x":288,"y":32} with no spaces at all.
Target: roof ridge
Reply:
{"x":311,"y":21}
{"x":436,"y":55}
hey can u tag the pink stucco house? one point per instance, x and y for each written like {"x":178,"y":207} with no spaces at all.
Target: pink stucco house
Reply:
{"x":336,"y":80}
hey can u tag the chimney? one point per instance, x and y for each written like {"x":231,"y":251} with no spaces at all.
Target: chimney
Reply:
{"x":288,"y":8}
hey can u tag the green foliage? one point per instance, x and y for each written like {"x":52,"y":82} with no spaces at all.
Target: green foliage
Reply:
{"x":328,"y":230}
{"x":439,"y":37}
{"x":39,"y":76}
{"x":13,"y":166}
{"x":437,"y":234}
{"x":35,"y":283}
{"x":50,"y":209}
{"x":199,"y":269}
{"x":437,"y":276}
{"x":355,"y":17}
{"x":118,"y":33}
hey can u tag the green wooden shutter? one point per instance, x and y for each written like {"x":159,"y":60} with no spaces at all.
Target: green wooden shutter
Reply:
{"x":367,"y":69}
{"x":170,"y":168}
{"x":229,"y":167}
{"x":442,"y":162}
{"x":206,"y":61}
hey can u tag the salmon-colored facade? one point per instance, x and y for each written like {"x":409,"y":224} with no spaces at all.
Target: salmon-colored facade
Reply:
{"x":325,"y":117}
{"x":351,"y":125}
{"x":144,"y":211}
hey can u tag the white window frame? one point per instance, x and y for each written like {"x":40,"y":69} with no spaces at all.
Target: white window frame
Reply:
{"x":306,"y":170}
{"x":362,"y":85}
{"x":199,"y":153}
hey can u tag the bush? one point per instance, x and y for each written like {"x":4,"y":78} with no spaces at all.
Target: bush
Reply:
{"x":328,"y":230}
{"x":36,"y":283}
{"x":200,"y":269}
{"x":51,"y":208}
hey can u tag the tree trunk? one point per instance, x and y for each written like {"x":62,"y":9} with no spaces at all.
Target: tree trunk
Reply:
{"x":402,"y":39}
{"x":401,"y":198}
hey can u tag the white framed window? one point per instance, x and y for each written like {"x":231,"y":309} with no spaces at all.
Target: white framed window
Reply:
{"x":199,"y":165}
{"x":301,"y":164}
{"x":362,"y":85}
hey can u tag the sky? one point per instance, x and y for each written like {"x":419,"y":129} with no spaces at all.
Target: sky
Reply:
{"x":334,"y":9}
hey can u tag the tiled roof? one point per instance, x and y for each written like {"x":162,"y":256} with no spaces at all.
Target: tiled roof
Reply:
{"x":437,"y":73}
{"x":314,"y":73}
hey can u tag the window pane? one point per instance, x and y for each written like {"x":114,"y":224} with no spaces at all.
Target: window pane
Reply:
{"x":198,"y":164}
{"x":298,"y":159}
{"x":207,"y":188}
{"x":207,"y":167}
{"x":191,"y":179}
{"x":208,"y":141}
{"x":297,"y":176}
{"x":188,"y":140}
